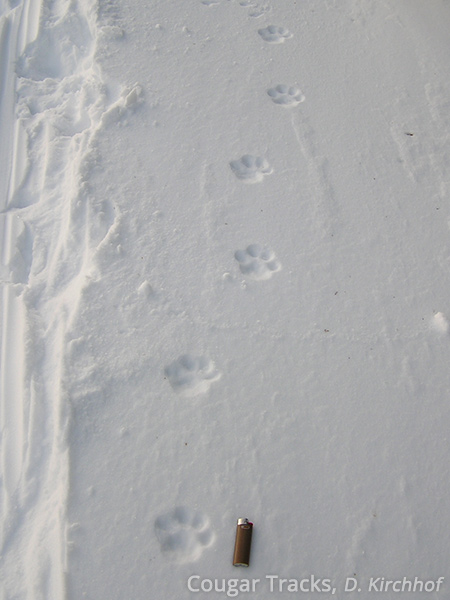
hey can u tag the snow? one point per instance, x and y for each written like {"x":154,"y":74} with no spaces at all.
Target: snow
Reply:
{"x":224,"y":263}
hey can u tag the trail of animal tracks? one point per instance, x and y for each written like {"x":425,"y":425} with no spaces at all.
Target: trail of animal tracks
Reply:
{"x":224,"y":234}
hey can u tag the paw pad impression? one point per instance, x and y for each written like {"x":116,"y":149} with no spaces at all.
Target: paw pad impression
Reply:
{"x":191,"y":375}
{"x":286,"y":95}
{"x":250,"y":169}
{"x":183,"y":534}
{"x":257,"y":262}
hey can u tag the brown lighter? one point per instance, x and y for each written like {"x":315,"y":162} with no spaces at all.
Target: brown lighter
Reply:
{"x":243,"y":543}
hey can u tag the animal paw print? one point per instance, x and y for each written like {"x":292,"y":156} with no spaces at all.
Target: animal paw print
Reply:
{"x":257,"y":262}
{"x":250,"y":169}
{"x":286,"y":95}
{"x":275,"y":35}
{"x":183,"y":534}
{"x":255,"y":9}
{"x":190,"y":376}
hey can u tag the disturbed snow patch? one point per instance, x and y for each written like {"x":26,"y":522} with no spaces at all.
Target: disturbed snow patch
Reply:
{"x":63,"y":102}
{"x":440,"y":323}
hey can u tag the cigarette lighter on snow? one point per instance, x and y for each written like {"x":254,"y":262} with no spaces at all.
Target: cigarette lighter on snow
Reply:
{"x":243,"y":543}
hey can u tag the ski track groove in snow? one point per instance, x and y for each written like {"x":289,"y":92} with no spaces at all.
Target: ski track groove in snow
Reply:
{"x":318,"y":169}
{"x":12,"y":413}
{"x":48,"y":61}
{"x":424,"y":152}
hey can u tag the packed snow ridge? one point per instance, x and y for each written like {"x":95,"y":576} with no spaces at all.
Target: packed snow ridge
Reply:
{"x":55,"y":102}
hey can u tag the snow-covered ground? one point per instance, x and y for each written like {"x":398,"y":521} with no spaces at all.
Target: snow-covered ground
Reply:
{"x":225,"y":267}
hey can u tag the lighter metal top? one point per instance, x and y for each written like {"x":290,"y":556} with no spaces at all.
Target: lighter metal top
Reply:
{"x":244,"y":522}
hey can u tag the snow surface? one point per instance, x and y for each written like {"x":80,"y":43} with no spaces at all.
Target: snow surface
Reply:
{"x":180,"y":348}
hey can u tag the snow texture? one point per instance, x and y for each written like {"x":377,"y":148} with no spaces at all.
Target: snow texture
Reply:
{"x":179,"y":350}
